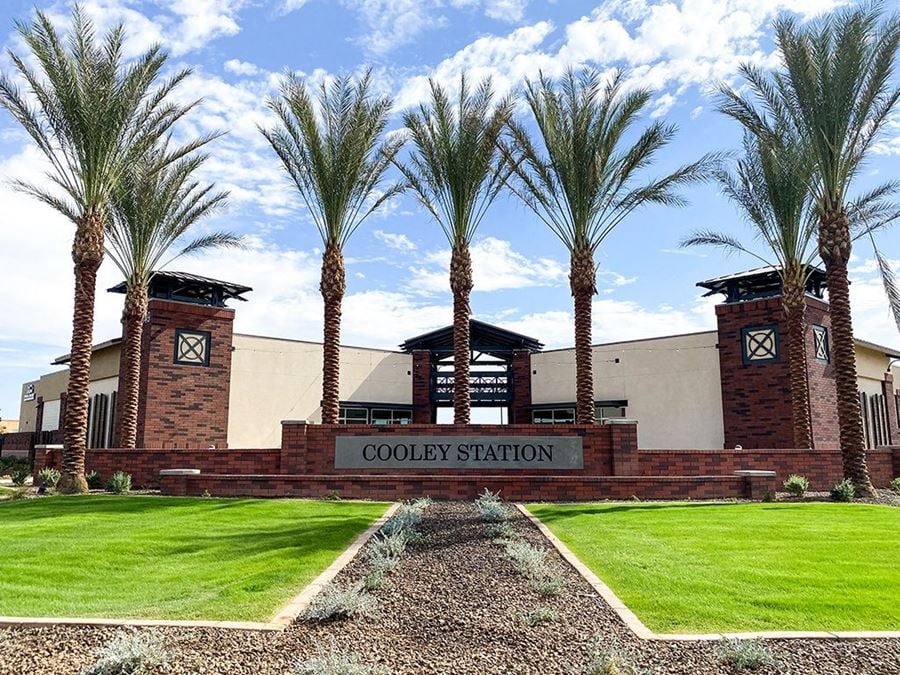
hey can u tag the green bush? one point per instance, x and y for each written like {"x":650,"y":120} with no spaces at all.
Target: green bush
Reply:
{"x":539,"y":615}
{"x":19,"y":476}
{"x":333,"y":661}
{"x":796,"y":485}
{"x":335,"y":602}
{"x":895,"y":485}
{"x":119,"y":483}
{"x":131,"y":653}
{"x":606,"y":660}
{"x":94,"y":481}
{"x":49,"y":477}
{"x":843,"y":491}
{"x":744,"y":654}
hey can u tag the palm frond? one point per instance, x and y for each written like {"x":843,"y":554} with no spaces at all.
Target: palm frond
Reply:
{"x":889,"y":281}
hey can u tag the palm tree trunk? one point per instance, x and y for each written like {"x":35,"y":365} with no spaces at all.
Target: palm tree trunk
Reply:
{"x":834,"y":249}
{"x":461,"y":286}
{"x":333,"y":285}
{"x":794,"y":303}
{"x":87,"y":254}
{"x":583,"y":282}
{"x":133,"y":317}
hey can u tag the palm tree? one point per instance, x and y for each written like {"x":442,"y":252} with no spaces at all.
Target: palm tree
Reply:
{"x":155,"y":204}
{"x":769,"y":186}
{"x":583,"y":182}
{"x":835,"y":92}
{"x":334,"y":153}
{"x":456,"y":170}
{"x":89,"y":114}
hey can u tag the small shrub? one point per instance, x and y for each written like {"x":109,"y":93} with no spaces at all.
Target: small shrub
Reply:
{"x":49,"y":477}
{"x":744,"y":654}
{"x":895,"y":485}
{"x":488,"y":496}
{"x":492,"y":512}
{"x":539,"y":615}
{"x":527,"y":559}
{"x":503,"y":531}
{"x":18,"y":493}
{"x":606,"y":660}
{"x":333,"y":661}
{"x":19,"y":476}
{"x":373,"y":580}
{"x":843,"y":491}
{"x":385,"y":551}
{"x":131,"y":653}
{"x":332,"y":496}
{"x":94,"y":481}
{"x":547,"y":586}
{"x":119,"y":483}
{"x":335,"y":602}
{"x":796,"y":485}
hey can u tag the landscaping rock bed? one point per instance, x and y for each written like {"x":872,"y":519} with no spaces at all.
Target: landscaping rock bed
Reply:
{"x":454,"y":604}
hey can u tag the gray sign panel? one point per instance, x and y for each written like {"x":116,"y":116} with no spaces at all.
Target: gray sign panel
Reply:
{"x":387,"y":451}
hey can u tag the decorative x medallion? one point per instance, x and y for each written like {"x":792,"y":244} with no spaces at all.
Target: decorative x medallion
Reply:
{"x":760,"y":344}
{"x":820,"y":342}
{"x":192,"y":348}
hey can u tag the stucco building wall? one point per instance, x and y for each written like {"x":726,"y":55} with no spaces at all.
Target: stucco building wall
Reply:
{"x":671,"y":385}
{"x":274,"y":379}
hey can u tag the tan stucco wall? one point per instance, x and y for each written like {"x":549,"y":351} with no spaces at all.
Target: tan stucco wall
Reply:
{"x":274,"y":380}
{"x":671,"y":384}
{"x":104,"y":365}
{"x":871,"y":365}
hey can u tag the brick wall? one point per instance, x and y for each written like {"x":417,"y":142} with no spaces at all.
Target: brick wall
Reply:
{"x":144,"y":465}
{"x":890,"y":403}
{"x":184,"y":405}
{"x":822,"y":468}
{"x":17,"y":443}
{"x":308,"y":449}
{"x":822,"y":391}
{"x":519,"y":487}
{"x":423,"y":410}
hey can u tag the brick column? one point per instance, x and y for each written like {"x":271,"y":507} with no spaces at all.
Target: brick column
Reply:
{"x":423,"y":410}
{"x":623,"y":438}
{"x":183,"y":403}
{"x":293,"y":446}
{"x":890,"y":402}
{"x":520,"y":412}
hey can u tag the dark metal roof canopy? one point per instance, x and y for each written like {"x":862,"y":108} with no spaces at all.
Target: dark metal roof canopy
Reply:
{"x":762,"y":282}
{"x":484,"y":338}
{"x":191,"y":288}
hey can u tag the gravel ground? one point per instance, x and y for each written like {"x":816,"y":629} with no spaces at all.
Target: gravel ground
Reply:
{"x":454,"y":605}
{"x":882,"y":496}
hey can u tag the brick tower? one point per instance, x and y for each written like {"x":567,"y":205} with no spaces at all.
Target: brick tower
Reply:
{"x":186,"y":362}
{"x":753,"y":344}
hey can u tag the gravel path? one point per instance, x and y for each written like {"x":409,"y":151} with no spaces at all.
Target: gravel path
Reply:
{"x":455,"y":604}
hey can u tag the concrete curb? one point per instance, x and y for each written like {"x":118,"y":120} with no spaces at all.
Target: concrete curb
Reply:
{"x":285,"y":616}
{"x":637,"y":626}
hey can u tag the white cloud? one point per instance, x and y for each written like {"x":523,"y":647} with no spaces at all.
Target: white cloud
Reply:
{"x":396,"y":241}
{"x":872,"y":317}
{"x":239,"y":67}
{"x":495,"y":266}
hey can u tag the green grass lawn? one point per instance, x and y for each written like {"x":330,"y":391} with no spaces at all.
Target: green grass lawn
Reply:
{"x":168,"y":558}
{"x":684,"y":567}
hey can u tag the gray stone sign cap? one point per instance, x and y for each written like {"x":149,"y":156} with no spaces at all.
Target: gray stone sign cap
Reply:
{"x":48,"y":447}
{"x":179,"y":472}
{"x":753,"y":472}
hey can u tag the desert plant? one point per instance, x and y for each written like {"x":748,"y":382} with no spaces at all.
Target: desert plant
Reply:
{"x":606,"y":659}
{"x":131,"y":653}
{"x":94,"y":481}
{"x":119,"y":483}
{"x":90,"y":110}
{"x":796,"y":485}
{"x":492,"y":512}
{"x":384,"y":551}
{"x":528,"y":560}
{"x":337,"y":602}
{"x":744,"y":654}
{"x":539,"y":615}
{"x":502,"y":531}
{"x":49,"y":477}
{"x":334,"y":661}
{"x":19,"y":476}
{"x":843,"y":491}
{"x":582,"y":180}
{"x":18,"y":493}
{"x":374,"y":579}
{"x":332,"y":150}
{"x":488,"y":496}
{"x":895,"y":485}
{"x":456,"y":170}
{"x":546,"y":586}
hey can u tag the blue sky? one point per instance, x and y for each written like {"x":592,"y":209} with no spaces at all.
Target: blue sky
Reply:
{"x":397,"y":262}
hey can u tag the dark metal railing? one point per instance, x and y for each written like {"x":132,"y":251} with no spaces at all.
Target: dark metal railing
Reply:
{"x":485,"y":386}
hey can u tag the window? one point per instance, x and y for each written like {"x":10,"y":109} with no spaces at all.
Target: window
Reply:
{"x":554,"y":416}
{"x":605,"y":412}
{"x":388,"y":416}
{"x":191,"y":347}
{"x":820,"y":342}
{"x":353,"y":416}
{"x":759,"y":344}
